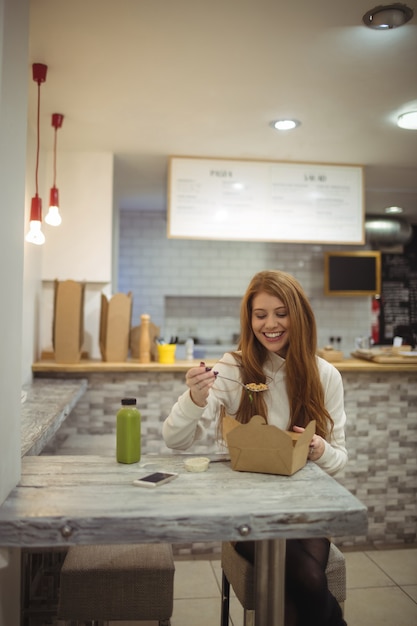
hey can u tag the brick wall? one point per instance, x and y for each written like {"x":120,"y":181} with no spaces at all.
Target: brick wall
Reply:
{"x":381,"y":434}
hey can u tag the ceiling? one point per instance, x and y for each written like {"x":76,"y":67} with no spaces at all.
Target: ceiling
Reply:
{"x":145,"y":79}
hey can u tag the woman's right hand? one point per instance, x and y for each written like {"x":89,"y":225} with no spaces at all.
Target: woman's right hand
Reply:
{"x":200,"y":380}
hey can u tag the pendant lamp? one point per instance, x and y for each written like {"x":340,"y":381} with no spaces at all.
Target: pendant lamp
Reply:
{"x":35,"y":234}
{"x":53,"y":217}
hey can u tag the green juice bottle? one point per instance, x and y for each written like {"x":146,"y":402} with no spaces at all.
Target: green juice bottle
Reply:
{"x":128,"y":432}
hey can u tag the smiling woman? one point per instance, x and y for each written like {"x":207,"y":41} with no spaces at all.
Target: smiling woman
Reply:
{"x":278,"y":344}
{"x":270,"y":322}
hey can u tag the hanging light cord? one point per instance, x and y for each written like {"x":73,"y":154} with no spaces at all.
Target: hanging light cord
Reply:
{"x":38,"y":133}
{"x":55,"y":156}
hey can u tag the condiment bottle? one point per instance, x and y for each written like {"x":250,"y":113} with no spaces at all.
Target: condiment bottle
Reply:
{"x":189,"y":349}
{"x":144,"y":339}
{"x":128,"y":432}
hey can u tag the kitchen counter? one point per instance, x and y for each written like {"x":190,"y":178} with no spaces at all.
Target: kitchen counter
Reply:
{"x":85,"y":366}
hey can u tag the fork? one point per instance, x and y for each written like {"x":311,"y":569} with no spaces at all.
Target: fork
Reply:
{"x":248,"y":386}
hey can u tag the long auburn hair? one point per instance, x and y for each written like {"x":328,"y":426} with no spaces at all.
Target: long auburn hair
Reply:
{"x":304,"y":388}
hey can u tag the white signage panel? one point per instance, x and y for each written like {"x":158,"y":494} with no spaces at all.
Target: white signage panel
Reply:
{"x":265,"y":201}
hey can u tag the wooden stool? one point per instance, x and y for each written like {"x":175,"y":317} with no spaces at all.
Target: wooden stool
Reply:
{"x":117,"y":582}
{"x":239,"y":573}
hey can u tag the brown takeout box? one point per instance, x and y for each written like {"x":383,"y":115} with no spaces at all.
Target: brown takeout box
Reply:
{"x":258,"y":447}
{"x":68,"y":321}
{"x":115,"y":319}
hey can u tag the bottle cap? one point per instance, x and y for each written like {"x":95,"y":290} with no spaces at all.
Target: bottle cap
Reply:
{"x":128,"y":401}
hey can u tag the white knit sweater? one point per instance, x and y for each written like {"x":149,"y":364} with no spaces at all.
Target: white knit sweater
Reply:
{"x":186,"y":422}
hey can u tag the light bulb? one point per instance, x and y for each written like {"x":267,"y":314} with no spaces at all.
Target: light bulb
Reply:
{"x":408,"y":120}
{"x":35,"y":234}
{"x":386,"y":17}
{"x":393,"y":209}
{"x":53,"y":217}
{"x":285,"y":124}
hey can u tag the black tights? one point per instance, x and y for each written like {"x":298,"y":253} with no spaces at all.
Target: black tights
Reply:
{"x":308,"y":601}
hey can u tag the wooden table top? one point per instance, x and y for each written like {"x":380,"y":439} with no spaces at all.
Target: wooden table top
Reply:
{"x":64,"y":500}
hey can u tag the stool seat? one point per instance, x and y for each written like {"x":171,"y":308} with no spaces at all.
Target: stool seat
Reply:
{"x":240,"y":574}
{"x":117,"y":582}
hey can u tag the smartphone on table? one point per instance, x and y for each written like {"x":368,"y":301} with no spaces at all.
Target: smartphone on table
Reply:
{"x":155,"y":479}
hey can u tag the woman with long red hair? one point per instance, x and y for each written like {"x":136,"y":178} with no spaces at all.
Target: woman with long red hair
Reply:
{"x":277,"y":348}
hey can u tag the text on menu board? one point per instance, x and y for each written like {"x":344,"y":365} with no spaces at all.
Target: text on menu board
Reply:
{"x":265,"y":201}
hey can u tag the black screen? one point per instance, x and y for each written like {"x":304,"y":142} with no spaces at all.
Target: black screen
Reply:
{"x":155,"y":478}
{"x":352,"y":273}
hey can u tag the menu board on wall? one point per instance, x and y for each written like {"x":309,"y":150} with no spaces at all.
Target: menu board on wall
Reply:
{"x":399,"y":296}
{"x":244,"y":200}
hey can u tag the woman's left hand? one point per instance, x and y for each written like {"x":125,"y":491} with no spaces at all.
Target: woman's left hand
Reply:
{"x":316,"y":444}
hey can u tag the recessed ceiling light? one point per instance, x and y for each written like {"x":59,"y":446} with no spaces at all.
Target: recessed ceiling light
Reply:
{"x":408,"y":120}
{"x":285,"y":124}
{"x":393,"y":210}
{"x":389,"y":16}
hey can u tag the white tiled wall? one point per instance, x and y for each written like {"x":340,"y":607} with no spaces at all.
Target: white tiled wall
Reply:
{"x":181,"y":283}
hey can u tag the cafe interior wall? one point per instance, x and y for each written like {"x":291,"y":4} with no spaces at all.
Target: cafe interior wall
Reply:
{"x":14,"y":28}
{"x":183,"y":284}
{"x":80,"y":249}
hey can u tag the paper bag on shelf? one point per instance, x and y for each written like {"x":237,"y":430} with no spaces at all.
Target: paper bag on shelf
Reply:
{"x":115,"y":320}
{"x":68,"y":321}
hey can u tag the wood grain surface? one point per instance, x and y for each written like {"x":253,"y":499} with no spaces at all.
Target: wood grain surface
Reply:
{"x":90,"y":499}
{"x":86,"y":366}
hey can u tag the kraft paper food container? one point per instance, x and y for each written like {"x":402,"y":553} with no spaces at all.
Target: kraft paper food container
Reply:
{"x":115,"y":320}
{"x":68,"y":321}
{"x":258,"y":447}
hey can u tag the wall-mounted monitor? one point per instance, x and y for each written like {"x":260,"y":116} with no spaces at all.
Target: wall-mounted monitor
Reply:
{"x":352,"y":273}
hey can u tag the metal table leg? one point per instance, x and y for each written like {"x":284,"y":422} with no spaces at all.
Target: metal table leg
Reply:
{"x":270,"y":582}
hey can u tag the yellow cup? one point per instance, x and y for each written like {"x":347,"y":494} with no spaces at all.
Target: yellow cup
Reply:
{"x":166,"y":352}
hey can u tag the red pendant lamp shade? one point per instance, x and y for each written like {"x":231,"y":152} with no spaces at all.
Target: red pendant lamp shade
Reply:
{"x":35,"y":234}
{"x":36,"y":209}
{"x":53,"y":218}
{"x":54,"y":197}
